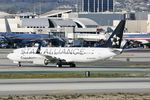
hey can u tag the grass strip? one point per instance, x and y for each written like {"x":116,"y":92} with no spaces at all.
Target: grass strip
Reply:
{"x":91,"y":96}
{"x":71,"y":74}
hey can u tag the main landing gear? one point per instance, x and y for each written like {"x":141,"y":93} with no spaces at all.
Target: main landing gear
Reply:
{"x":71,"y":64}
{"x":19,"y":64}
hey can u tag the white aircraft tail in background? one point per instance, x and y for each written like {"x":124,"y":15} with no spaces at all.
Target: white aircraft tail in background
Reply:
{"x":70,"y":55}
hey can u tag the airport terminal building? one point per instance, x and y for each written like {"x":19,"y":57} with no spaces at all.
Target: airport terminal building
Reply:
{"x":96,"y":5}
{"x":82,"y":25}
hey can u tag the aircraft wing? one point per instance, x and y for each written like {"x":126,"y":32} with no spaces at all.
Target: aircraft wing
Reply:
{"x":53,"y":59}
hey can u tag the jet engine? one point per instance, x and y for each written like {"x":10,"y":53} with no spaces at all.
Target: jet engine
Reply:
{"x":40,"y":61}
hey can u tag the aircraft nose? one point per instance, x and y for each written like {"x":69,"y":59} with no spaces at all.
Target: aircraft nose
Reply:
{"x":10,"y":56}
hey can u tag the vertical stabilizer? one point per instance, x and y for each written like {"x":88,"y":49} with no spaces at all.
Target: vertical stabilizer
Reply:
{"x":115,"y":38}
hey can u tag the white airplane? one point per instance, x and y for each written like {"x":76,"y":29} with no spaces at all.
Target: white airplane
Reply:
{"x":143,"y":38}
{"x":70,"y":55}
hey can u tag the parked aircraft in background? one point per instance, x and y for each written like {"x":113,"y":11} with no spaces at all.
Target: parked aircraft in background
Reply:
{"x":70,"y":55}
{"x":3,"y":42}
{"x":144,"y":38}
{"x":26,"y":39}
{"x":138,"y":38}
{"x":14,"y":40}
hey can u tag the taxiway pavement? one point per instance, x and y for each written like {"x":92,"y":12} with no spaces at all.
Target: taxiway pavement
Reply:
{"x":7,"y":65}
{"x":75,"y":85}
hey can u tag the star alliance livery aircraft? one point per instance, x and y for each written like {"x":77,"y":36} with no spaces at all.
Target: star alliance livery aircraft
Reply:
{"x":70,"y":55}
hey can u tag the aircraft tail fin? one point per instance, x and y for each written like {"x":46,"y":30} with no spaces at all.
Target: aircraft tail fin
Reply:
{"x":115,"y":38}
{"x":8,"y":29}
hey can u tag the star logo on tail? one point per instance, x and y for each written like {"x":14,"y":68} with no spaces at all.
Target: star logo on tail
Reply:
{"x":115,"y":40}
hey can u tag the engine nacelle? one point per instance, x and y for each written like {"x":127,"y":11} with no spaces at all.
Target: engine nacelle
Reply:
{"x":40,"y":62}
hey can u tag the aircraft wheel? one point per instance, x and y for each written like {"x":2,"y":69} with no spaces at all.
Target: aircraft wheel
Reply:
{"x":58,"y":65}
{"x":72,"y":65}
